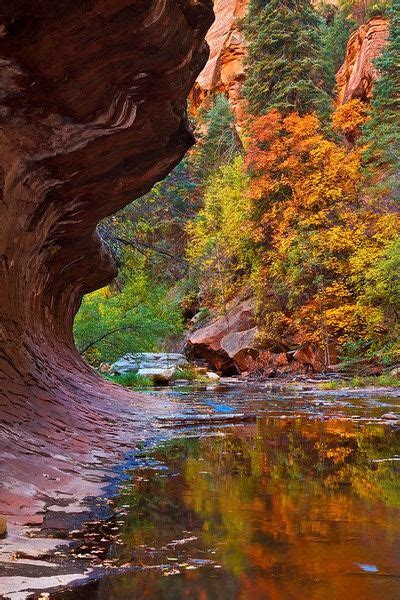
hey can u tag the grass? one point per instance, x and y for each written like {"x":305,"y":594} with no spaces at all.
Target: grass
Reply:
{"x":385,"y":380}
{"x":184,"y":373}
{"x":131,"y":379}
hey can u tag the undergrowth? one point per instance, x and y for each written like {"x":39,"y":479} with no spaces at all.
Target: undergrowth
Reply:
{"x":131,"y":379}
{"x":385,"y":380}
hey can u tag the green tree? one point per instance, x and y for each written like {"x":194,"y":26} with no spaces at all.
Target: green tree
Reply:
{"x":283,"y":65}
{"x":138,"y":317}
{"x":335,"y":31}
{"x":218,"y":141}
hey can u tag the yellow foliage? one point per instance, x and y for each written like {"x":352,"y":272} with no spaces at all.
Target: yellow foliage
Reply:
{"x":318,"y":236}
{"x":349,"y":118}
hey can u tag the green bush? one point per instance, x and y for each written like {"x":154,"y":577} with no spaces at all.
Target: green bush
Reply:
{"x":131,"y":379}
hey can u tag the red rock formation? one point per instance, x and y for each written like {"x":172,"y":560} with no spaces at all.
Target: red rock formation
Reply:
{"x":228,"y":340}
{"x":231,"y":344}
{"x":356,"y":76}
{"x":224,"y":72}
{"x":92,"y":108}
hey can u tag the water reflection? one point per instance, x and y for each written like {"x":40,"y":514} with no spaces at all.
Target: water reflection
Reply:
{"x":279,"y":510}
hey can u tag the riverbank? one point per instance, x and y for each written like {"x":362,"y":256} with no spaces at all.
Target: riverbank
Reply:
{"x":56,"y":463}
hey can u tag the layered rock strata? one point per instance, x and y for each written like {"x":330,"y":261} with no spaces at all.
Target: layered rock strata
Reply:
{"x":93,"y":113}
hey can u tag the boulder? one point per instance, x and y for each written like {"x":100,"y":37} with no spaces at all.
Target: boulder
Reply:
{"x":148,"y":360}
{"x":390,"y":416}
{"x":227,"y":340}
{"x":158,"y":375}
{"x":309,"y":357}
{"x":241,"y":346}
{"x":395,"y":372}
{"x":213,"y":376}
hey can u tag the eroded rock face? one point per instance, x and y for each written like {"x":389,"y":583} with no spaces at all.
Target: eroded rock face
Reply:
{"x":224,"y":72}
{"x":356,"y":76}
{"x":92,"y":109}
{"x":228,"y":340}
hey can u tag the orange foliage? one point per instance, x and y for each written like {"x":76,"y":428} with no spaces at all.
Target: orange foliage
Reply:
{"x":310,"y":224}
{"x":349,"y":118}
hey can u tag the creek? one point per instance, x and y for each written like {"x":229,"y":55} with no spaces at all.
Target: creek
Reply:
{"x":302,"y":503}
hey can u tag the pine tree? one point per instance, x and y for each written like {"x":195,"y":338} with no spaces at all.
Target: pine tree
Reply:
{"x":335,"y":32}
{"x":382,"y":131}
{"x":218,"y":142}
{"x":283,"y":64}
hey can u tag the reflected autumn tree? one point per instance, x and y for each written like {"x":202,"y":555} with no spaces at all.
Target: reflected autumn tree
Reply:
{"x":288,"y":509}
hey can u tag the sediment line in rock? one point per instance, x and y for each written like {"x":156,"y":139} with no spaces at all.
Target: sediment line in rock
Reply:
{"x":92,"y":113}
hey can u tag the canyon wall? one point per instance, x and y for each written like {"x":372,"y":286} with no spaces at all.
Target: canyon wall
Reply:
{"x":356,"y":76}
{"x":93,"y":113}
{"x":224,"y":72}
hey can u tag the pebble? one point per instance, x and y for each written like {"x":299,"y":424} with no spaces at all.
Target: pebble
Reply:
{"x":3,"y":526}
{"x":390,"y":416}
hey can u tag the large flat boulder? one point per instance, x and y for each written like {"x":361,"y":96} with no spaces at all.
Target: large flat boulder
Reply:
{"x":149,"y":360}
{"x":158,"y":375}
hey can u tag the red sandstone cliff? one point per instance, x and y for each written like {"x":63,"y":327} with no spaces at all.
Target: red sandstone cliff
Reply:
{"x":224,"y":72}
{"x":356,"y":76}
{"x":93,"y":113}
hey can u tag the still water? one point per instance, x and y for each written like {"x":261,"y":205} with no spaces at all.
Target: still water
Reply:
{"x":302,"y":504}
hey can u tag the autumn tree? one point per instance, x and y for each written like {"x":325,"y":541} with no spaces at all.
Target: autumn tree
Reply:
{"x":220,"y":246}
{"x":309,"y":224}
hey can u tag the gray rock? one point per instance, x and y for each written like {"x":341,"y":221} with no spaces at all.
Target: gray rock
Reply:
{"x":213,"y":376}
{"x":158,"y":375}
{"x":148,"y":360}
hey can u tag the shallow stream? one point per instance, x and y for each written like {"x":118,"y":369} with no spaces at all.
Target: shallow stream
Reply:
{"x":302,"y":503}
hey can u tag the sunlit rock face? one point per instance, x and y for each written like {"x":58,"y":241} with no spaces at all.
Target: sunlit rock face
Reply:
{"x":356,"y":76}
{"x":93,"y":113}
{"x":224,"y":72}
